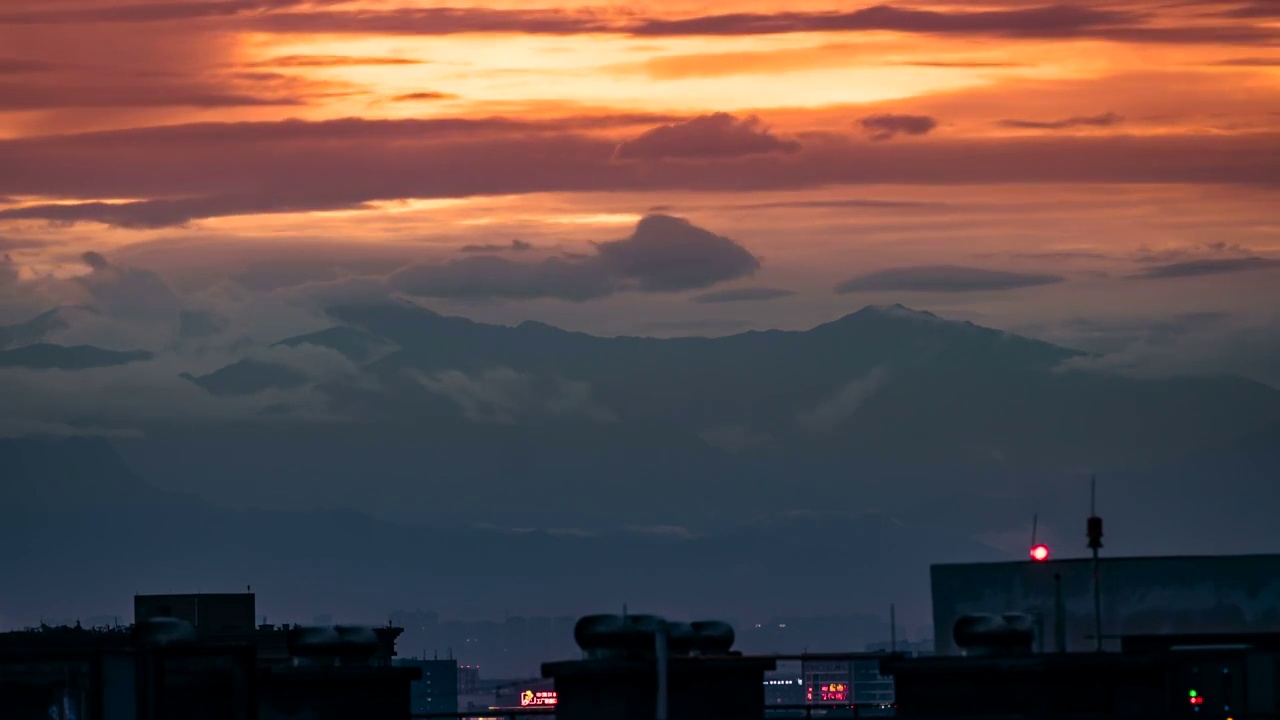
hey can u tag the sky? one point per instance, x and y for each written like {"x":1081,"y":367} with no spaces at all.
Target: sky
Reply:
{"x":1098,"y":174}
{"x":199,"y":179}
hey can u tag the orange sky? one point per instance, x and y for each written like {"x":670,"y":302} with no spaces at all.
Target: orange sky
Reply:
{"x":1088,"y":139}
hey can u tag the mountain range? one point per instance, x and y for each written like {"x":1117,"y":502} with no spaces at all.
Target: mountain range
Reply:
{"x":528,"y":468}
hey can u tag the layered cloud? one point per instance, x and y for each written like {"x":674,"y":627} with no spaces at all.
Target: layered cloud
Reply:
{"x":210,"y":170}
{"x":887,"y":127}
{"x":737,"y":295}
{"x":706,"y":137}
{"x":943,"y":279}
{"x":1118,"y":23}
{"x":1207,"y":266}
{"x":1087,"y":121}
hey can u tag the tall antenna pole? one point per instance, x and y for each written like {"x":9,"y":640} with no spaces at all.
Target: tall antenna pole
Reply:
{"x":1094,"y":532}
{"x":893,"y":629}
{"x":1035,"y":521}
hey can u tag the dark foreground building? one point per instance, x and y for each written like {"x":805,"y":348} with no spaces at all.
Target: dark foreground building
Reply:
{"x":1140,"y":596}
{"x":1154,"y":677}
{"x":633,"y":663}
{"x":209,"y":662}
{"x":1186,"y":637}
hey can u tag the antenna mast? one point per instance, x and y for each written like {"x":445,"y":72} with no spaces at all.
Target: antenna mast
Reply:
{"x":1094,"y":532}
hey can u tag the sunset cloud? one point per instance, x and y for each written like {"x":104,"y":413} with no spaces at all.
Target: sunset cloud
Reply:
{"x":1200,"y":268}
{"x":328,"y":61}
{"x":427,"y":96}
{"x":707,"y":137}
{"x":300,"y":167}
{"x":1118,"y":23}
{"x":887,"y":127}
{"x":1104,"y":120}
{"x":381,"y":146}
{"x":513,"y":246}
{"x":664,"y":254}
{"x":736,"y":295}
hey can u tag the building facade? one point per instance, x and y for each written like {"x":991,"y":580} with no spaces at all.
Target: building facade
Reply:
{"x":1140,"y":596}
{"x":437,"y":690}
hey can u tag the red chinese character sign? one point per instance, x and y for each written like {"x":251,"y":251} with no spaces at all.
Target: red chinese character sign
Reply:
{"x":538,"y":698}
{"x":833,"y":692}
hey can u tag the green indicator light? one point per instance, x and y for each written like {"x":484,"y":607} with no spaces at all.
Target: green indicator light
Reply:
{"x":1193,"y":693}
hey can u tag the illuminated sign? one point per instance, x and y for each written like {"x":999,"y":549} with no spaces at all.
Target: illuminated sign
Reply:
{"x":537,"y":698}
{"x":830,"y":692}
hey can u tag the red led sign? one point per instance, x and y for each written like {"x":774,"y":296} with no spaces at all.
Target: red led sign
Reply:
{"x":834,"y":692}
{"x":537,"y":698}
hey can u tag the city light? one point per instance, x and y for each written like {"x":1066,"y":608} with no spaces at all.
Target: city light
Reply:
{"x":1040,"y":553}
{"x":538,"y":698}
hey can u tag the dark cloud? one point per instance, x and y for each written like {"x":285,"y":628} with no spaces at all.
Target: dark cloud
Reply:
{"x":14,"y":66}
{"x":668,"y":253}
{"x":885,"y":127}
{"x":1046,"y":21}
{"x":1184,"y":253}
{"x":49,"y":95}
{"x":664,"y":254}
{"x":1208,"y":266}
{"x":1054,"y":255}
{"x":8,"y":271}
{"x":153,"y":11}
{"x":421,"y":96}
{"x":10,"y":243}
{"x":1105,"y":120}
{"x":742,"y":295}
{"x":849,"y":203}
{"x":1249,"y":62}
{"x":95,"y":260}
{"x":309,"y":61}
{"x":943,"y":278}
{"x":960,"y":64}
{"x":215,"y":169}
{"x":144,"y":214}
{"x":513,"y":246}
{"x":1265,"y":9}
{"x":715,"y":136}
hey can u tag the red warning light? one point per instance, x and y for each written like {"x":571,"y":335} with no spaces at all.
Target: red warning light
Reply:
{"x":1197,"y":701}
{"x":1040,"y":553}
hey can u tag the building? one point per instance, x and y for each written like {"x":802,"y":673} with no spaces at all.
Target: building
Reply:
{"x":437,"y":690}
{"x":844,"y":679}
{"x":636,"y":666}
{"x":1151,"y":678}
{"x":1181,"y":637}
{"x":468,"y":679}
{"x":193,"y":657}
{"x":1140,"y":596}
{"x":525,"y":694}
{"x":211,"y":614}
{"x":785,"y":685}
